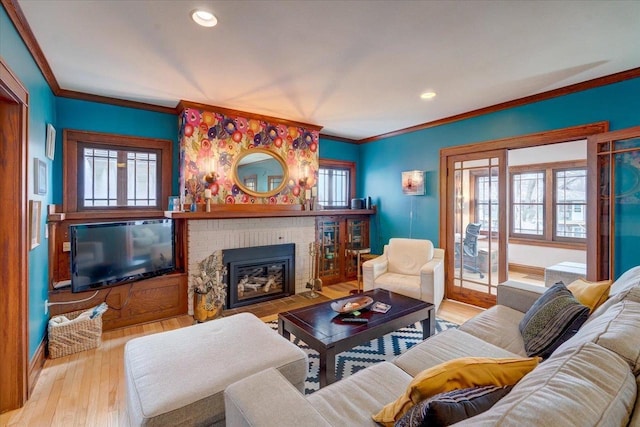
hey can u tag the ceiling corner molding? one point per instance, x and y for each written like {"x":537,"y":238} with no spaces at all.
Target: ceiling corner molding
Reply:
{"x":230,"y":112}
{"x":566,"y":90}
{"x":22,"y":26}
{"x":339,"y":138}
{"x":24,"y":30}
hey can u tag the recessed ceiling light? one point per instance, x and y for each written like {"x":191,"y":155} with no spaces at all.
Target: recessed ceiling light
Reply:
{"x":204,"y":18}
{"x":428,"y":95}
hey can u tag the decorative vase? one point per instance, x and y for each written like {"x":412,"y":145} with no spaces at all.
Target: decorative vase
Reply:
{"x":214,"y":310}
{"x":200,"y":313}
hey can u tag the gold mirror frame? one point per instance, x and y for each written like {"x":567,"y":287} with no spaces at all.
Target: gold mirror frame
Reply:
{"x":240,"y":184}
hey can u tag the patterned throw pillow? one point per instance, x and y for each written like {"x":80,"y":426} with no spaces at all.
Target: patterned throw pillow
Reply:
{"x":554,"y":318}
{"x":453,"y":406}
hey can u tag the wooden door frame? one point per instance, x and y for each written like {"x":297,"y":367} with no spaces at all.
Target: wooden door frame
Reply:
{"x":596,"y":251}
{"x":14,"y":275}
{"x":521,"y":141}
{"x":474,"y":297}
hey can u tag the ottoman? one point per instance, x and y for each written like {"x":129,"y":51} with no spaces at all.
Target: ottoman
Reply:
{"x":178,"y":377}
{"x":566,"y":272}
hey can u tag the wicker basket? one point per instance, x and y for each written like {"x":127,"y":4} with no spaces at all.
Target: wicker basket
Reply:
{"x":76,"y":335}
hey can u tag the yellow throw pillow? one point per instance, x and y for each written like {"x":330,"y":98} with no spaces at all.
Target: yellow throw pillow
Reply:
{"x":455,"y":374}
{"x":591,"y":294}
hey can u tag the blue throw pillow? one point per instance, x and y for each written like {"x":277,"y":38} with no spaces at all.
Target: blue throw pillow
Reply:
{"x":453,"y":406}
{"x":554,"y":318}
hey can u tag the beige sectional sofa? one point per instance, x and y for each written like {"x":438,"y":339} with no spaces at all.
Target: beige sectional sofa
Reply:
{"x":590,"y":380}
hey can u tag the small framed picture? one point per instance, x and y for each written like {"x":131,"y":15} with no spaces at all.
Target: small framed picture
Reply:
{"x":51,"y":141}
{"x":39,"y":176}
{"x":413,"y":183}
{"x":34,"y":223}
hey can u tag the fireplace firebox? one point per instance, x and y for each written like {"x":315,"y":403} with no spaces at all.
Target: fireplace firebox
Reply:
{"x":259,"y":273}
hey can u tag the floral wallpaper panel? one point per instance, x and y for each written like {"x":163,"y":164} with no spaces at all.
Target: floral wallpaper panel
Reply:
{"x":210,"y":142}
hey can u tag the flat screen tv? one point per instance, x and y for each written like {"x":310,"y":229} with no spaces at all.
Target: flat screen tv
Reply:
{"x":114,"y":253}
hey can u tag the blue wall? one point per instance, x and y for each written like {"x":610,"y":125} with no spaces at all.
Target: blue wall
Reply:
{"x":41,"y":112}
{"x":337,"y":150}
{"x":92,"y":116}
{"x":64,"y":113}
{"x":384,"y":160}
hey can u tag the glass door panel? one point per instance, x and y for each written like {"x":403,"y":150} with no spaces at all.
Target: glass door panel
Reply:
{"x":615,"y":156}
{"x":329,"y":256}
{"x":357,"y":242}
{"x":476,"y":184}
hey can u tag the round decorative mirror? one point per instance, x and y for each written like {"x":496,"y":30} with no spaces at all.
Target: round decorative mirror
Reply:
{"x":260,"y":173}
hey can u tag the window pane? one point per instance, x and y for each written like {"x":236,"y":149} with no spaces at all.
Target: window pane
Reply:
{"x":528,"y":219}
{"x":274,"y":181}
{"x":487,"y":195}
{"x":251,"y":182}
{"x":99,"y":176}
{"x":528,"y":203}
{"x":528,"y":187}
{"x":142,"y":180}
{"x":152,"y":181}
{"x":571,"y":186}
{"x":570,"y":223}
{"x":119,"y":178}
{"x":571,"y":203}
{"x":88,"y":175}
{"x":478,"y":163}
{"x":113,"y":180}
{"x":333,"y":187}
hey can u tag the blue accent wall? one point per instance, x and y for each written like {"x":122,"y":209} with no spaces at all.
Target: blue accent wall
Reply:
{"x":418,"y":216}
{"x":338,"y":150}
{"x":96,"y":117}
{"x":63,"y":113}
{"x":41,"y":111}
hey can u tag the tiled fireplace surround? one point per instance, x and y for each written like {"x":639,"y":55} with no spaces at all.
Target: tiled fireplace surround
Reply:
{"x":208,"y":235}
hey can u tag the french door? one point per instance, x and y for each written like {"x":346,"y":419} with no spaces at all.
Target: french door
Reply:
{"x":610,"y":247}
{"x":613,"y":161}
{"x":476,"y":226}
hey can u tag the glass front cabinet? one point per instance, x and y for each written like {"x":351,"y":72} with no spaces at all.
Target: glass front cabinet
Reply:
{"x":338,"y":237}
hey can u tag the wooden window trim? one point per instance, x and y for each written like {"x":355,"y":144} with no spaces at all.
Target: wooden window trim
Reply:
{"x":548,"y":238}
{"x":71,"y":141}
{"x":539,"y":167}
{"x":553,"y":244}
{"x":342,"y":164}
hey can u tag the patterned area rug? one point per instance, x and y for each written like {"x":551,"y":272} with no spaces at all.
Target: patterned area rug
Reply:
{"x":378,"y":350}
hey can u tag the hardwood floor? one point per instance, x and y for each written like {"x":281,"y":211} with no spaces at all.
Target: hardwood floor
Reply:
{"x":87,"y":388}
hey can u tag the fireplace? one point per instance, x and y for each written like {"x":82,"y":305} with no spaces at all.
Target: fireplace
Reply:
{"x":259,"y":273}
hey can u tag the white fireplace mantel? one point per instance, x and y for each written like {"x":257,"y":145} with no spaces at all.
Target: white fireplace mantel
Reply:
{"x":204,"y":236}
{"x":241,"y":226}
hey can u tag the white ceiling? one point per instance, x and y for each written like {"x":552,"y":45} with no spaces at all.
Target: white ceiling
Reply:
{"x":355,"y":67}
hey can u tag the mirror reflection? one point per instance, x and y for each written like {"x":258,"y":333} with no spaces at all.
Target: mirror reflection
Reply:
{"x":260,"y":173}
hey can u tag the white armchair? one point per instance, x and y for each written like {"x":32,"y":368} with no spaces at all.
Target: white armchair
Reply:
{"x":410,"y":267}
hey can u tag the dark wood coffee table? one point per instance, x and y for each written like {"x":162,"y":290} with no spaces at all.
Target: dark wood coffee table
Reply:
{"x":323,"y":330}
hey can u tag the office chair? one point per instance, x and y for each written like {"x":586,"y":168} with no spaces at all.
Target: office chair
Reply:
{"x":470,"y":249}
